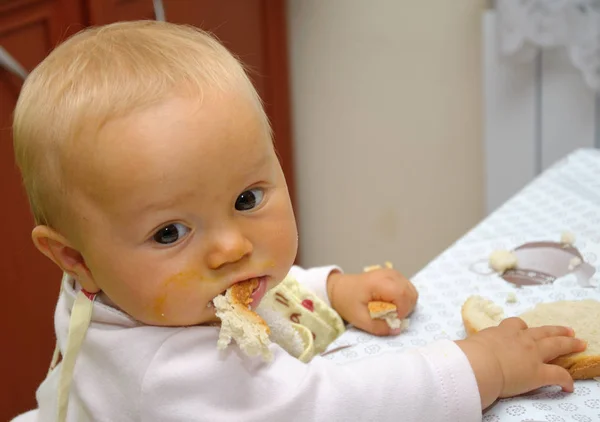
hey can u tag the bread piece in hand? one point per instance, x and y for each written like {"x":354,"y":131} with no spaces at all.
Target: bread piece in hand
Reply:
{"x":385,"y":310}
{"x":375,"y":267}
{"x":240,"y":323}
{"x":583,"y":316}
{"x":388,"y":312}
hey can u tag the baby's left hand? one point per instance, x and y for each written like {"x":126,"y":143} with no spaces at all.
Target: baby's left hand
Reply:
{"x":349,"y":295}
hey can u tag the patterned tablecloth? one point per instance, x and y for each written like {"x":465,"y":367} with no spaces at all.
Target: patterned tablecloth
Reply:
{"x":565,"y":198}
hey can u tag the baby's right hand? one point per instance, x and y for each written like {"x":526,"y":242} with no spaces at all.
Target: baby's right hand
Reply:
{"x":511,"y":359}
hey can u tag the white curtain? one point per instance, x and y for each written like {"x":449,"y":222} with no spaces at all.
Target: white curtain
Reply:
{"x":527,"y":25}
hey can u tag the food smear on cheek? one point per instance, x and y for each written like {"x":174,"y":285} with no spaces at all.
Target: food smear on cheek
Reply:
{"x":268,"y":264}
{"x":182,"y":281}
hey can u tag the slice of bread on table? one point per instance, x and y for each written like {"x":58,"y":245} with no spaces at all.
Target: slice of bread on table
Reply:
{"x":583,"y":316}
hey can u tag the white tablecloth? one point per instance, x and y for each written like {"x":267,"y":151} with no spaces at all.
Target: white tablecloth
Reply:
{"x":564,"y":198}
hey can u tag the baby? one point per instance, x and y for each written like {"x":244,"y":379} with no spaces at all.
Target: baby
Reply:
{"x":151,"y":172}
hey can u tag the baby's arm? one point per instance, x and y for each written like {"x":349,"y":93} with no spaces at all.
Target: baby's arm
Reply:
{"x":507,"y":360}
{"x":189,"y":380}
{"x":511,"y":359}
{"x":315,"y":279}
{"x":349,"y":294}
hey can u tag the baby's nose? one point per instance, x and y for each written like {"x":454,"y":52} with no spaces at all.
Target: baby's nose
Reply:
{"x":228,"y":248}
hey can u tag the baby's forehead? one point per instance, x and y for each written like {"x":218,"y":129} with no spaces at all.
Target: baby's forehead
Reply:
{"x":173,"y":143}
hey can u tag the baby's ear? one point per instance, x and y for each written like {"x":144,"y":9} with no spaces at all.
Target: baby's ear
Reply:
{"x":56,"y":247}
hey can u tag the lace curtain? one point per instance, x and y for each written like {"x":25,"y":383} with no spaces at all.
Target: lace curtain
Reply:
{"x":527,"y":25}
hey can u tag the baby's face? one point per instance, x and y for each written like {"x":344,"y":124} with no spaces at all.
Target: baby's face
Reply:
{"x":180,"y":201}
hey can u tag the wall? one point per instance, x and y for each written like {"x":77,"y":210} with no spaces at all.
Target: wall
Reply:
{"x":386,"y":99}
{"x":536,"y":112}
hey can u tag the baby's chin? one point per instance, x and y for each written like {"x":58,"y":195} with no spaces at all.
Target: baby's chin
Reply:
{"x":208,"y":317}
{"x":165,"y":319}
{"x":273,"y":282}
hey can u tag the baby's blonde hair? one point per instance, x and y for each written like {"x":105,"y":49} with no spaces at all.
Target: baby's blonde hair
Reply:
{"x":104,"y":73}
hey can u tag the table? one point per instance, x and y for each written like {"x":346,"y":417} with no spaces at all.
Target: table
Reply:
{"x":564,"y":198}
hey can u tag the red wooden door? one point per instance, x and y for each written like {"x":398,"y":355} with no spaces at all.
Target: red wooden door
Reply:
{"x":29,"y":29}
{"x":102,"y":12}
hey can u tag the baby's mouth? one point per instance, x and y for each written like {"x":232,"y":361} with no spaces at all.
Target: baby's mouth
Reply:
{"x":255,"y":297}
{"x":259,"y":292}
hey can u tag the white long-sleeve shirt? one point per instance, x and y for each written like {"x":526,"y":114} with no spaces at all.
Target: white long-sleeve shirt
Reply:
{"x":128,"y":371}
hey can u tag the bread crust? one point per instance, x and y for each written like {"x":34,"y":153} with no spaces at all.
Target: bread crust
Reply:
{"x":469,"y":327}
{"x":579,"y":366}
{"x":378,"y":309}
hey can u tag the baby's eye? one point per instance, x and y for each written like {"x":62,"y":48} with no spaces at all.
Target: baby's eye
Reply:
{"x":170,"y":233}
{"x":249,"y":199}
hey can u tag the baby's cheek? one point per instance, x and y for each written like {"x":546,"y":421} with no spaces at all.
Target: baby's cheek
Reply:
{"x":170,"y":292}
{"x":287,"y":247}
{"x":282,"y":235}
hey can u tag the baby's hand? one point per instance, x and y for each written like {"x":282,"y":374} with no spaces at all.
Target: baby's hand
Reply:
{"x":350,"y":293}
{"x":511,"y":359}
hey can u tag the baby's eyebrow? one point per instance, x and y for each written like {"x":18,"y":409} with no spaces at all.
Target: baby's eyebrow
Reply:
{"x":164,"y":203}
{"x":249,"y":167}
{"x":261,"y":161}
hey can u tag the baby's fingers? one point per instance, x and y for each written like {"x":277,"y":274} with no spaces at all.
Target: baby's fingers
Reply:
{"x":377,"y":327}
{"x":514,"y":323}
{"x":552,"y":347}
{"x":539,"y":333}
{"x":555,"y":375}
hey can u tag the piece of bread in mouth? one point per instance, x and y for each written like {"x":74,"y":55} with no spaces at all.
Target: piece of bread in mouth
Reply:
{"x":240,"y":323}
{"x":583,"y":316}
{"x":388,"y":312}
